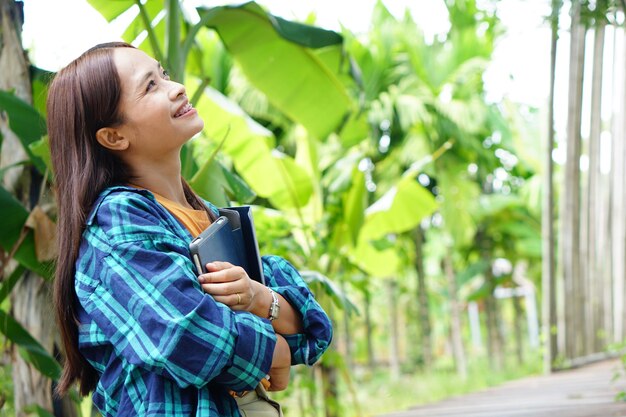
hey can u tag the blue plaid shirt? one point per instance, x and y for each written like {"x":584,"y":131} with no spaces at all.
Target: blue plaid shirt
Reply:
{"x":161,"y":345}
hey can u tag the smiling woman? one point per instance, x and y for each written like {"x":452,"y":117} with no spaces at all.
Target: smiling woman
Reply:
{"x":140,"y":329}
{"x":158,"y":120}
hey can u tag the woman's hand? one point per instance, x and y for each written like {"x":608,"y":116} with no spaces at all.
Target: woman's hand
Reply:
{"x":281,"y":364}
{"x":231,"y":285}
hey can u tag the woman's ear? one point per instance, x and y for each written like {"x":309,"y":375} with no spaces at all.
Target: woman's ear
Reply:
{"x":111,"y":139}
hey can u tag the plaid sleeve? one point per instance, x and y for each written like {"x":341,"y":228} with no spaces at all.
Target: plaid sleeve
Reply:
{"x":137,"y":283}
{"x":282,"y":277}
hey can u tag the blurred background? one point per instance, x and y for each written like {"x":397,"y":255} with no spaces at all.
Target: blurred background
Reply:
{"x":447,"y":175}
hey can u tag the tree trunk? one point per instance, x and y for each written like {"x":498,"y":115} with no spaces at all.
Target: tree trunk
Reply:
{"x":605,"y":226}
{"x":30,"y":299}
{"x":371,"y":360}
{"x":495,"y":344}
{"x":455,"y":317}
{"x":621,"y":278}
{"x":331,"y":395}
{"x":394,"y":338}
{"x":595,"y":200}
{"x":423,"y":303}
{"x":574,"y":315}
{"x":495,"y":349}
{"x":517,"y":326}
{"x":618,"y":173}
{"x":347,"y":335}
{"x":548,"y":282}
{"x":31,"y":305}
{"x":329,"y":375}
{"x":14,"y":75}
{"x":315,"y":374}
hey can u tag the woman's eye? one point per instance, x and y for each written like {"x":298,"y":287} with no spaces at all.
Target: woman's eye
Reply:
{"x":166,"y":75}
{"x":151,"y":84}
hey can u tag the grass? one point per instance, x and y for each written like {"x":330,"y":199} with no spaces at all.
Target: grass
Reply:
{"x":382,"y":394}
{"x":379,"y":393}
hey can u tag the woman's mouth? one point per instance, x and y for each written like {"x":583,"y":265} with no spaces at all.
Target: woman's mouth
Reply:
{"x":183,"y":110}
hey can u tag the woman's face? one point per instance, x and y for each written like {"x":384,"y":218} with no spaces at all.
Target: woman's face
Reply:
{"x":158,"y":118}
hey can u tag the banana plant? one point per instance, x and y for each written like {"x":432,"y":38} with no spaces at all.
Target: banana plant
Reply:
{"x":26,"y":235}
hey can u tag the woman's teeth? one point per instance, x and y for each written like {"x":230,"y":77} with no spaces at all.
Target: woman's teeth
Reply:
{"x":183,"y":110}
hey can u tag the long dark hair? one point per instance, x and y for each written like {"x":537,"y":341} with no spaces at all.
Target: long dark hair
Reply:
{"x":83,"y":98}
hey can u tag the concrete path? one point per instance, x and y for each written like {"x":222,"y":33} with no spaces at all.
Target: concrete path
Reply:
{"x":584,"y":392}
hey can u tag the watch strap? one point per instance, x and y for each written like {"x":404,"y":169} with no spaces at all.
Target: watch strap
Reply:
{"x":274,"y":307}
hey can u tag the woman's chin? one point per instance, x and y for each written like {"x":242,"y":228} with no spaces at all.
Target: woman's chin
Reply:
{"x":197,"y":129}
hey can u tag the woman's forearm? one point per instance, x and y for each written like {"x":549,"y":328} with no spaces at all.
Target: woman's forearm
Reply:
{"x":288,"y":321}
{"x":281,"y":363}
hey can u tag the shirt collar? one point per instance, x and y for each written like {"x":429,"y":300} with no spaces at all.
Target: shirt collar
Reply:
{"x":113,"y":189}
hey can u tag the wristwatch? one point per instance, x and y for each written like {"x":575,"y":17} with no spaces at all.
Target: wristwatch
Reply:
{"x":274,"y":307}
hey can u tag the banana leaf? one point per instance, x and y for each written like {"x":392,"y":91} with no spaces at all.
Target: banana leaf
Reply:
{"x":29,"y":348}
{"x":401,"y":209}
{"x":26,"y":122}
{"x":270,"y":174}
{"x":14,"y":218}
{"x":277,"y":57}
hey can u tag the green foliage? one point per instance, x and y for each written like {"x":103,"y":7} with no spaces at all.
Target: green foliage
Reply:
{"x":37,"y":410}
{"x":39,"y":81}
{"x":41,"y":149}
{"x":400,"y":210}
{"x":354,"y":204}
{"x":15,"y":217}
{"x":26,"y":122}
{"x":599,"y":11}
{"x":29,"y":348}
{"x":317,"y":281}
{"x":15,"y":239}
{"x":213,"y":172}
{"x":292,"y":75}
{"x":6,"y":388}
{"x":111,"y":9}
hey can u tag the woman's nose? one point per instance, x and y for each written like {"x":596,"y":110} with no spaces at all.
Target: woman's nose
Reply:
{"x":176,"y":90}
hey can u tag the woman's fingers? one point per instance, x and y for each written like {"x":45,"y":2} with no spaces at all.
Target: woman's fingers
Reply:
{"x":229,"y":285}
{"x":222,"y":272}
{"x":220,"y":288}
{"x":218,"y":266}
{"x":231,"y":300}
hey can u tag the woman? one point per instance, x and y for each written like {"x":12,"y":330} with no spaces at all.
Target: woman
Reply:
{"x":138,"y":330}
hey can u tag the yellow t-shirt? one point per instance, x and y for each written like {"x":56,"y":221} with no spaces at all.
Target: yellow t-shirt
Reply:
{"x":194,"y":220}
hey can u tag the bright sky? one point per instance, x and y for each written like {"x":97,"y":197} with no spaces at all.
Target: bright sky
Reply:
{"x":55,"y":32}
